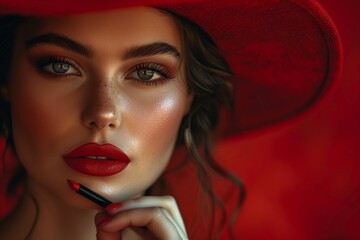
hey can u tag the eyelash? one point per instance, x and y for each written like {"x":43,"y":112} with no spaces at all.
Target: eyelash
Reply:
{"x":157,"y":68}
{"x":44,"y":62}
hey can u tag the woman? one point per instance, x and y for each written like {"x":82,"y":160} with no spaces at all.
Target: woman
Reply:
{"x":102,"y":98}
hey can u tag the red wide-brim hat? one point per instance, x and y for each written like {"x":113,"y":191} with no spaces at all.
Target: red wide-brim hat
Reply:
{"x":285,"y":54}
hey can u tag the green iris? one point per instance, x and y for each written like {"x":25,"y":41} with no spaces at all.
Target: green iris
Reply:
{"x":60,"y":67}
{"x":145,"y":74}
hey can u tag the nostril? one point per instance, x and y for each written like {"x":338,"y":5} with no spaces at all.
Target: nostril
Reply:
{"x":100,"y":120}
{"x":103,"y":123}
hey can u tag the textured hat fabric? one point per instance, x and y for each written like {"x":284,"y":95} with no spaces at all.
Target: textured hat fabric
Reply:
{"x":285,"y":53}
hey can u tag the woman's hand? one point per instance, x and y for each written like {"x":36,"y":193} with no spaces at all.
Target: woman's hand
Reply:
{"x":151,"y":218}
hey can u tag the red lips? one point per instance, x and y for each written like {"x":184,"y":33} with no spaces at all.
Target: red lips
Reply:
{"x":97,"y":160}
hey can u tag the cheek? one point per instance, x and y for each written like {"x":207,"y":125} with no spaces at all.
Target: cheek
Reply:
{"x":157,"y":122}
{"x":38,"y":117}
{"x":35,"y":116}
{"x":28,"y":115}
{"x":165,"y":119}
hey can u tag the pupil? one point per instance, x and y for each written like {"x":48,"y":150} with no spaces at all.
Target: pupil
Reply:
{"x":61,"y":67}
{"x":145,"y":74}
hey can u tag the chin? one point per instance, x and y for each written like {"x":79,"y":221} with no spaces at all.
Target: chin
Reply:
{"x":80,"y":202}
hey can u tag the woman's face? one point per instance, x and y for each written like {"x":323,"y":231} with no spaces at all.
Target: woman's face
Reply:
{"x":111,"y":77}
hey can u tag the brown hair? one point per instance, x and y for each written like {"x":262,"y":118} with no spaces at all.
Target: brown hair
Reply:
{"x":8,"y":29}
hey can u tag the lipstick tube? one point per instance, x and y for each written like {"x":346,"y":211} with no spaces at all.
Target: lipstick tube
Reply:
{"x":88,"y":193}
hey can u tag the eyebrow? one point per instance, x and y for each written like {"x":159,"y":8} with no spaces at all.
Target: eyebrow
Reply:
{"x":133,"y":52}
{"x":152,"y":49}
{"x":59,"y":40}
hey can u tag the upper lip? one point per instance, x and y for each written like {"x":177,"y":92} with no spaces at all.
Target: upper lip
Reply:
{"x":98,"y":152}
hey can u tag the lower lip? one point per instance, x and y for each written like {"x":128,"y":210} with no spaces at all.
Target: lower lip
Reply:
{"x":96,"y":167}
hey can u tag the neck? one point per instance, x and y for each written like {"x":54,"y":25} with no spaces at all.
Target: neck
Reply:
{"x":45,"y":215}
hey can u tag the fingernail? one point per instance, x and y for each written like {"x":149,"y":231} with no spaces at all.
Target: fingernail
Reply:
{"x":104,"y":221}
{"x":113,"y":206}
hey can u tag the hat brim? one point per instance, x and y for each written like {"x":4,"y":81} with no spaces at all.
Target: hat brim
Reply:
{"x":286,"y":54}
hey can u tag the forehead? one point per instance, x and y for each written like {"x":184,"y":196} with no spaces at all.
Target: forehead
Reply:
{"x":106,"y":30}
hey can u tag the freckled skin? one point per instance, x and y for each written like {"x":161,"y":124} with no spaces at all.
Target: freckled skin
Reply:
{"x":52,"y":116}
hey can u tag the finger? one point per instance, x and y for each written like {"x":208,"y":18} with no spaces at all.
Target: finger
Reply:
{"x":166,"y":202}
{"x":156,"y":219}
{"x":103,"y":235}
{"x":101,"y":219}
{"x":144,"y":233}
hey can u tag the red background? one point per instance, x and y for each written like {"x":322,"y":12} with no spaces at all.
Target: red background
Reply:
{"x":303,"y":176}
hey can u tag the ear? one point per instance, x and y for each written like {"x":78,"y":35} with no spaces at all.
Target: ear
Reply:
{"x":4,"y":93}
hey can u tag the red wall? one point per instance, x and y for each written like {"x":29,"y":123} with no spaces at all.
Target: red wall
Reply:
{"x":303,"y":178}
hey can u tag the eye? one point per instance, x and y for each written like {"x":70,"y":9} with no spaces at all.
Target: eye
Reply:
{"x":144,"y":74}
{"x":149,"y":72}
{"x":61,"y":66}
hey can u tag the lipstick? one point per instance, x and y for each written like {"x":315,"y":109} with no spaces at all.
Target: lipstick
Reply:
{"x":97,"y":160}
{"x":88,"y":193}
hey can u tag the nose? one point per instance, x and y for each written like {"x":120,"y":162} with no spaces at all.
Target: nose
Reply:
{"x":101,"y":108}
